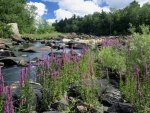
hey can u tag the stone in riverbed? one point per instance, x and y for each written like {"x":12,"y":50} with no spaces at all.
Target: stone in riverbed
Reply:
{"x":30,"y":50}
{"x":10,"y":61}
{"x":6,"y":53}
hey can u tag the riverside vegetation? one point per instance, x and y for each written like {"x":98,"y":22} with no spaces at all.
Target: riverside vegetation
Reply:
{"x":132,"y":64}
{"x":57,"y":75}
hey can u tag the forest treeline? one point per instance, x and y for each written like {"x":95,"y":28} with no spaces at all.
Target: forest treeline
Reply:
{"x":115,"y":22}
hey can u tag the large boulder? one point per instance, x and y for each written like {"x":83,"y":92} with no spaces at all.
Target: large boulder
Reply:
{"x":37,"y":90}
{"x":10,"y":61}
{"x":16,"y":35}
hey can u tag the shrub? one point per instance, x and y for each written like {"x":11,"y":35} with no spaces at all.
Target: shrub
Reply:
{"x":111,"y":58}
{"x":5,"y":31}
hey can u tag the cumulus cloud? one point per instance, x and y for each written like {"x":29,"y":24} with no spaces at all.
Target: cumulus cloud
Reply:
{"x":41,"y":8}
{"x":141,"y":2}
{"x":51,"y":21}
{"x":119,"y":4}
{"x":62,"y":14}
{"x":67,"y":8}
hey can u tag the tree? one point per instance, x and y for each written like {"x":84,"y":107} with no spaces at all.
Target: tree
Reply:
{"x":114,"y":23}
{"x":15,"y":11}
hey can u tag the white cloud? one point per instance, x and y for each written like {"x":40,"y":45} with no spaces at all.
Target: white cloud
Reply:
{"x":78,"y":7}
{"x":141,"y":2}
{"x":67,"y":8}
{"x":51,"y":21}
{"x":119,"y":4}
{"x":41,"y":8}
{"x":62,"y":14}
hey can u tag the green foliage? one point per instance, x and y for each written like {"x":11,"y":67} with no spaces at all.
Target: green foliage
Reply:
{"x":27,"y":95}
{"x":133,"y":59}
{"x":136,"y":87}
{"x":17,"y":11}
{"x":45,"y":29}
{"x":114,"y":23}
{"x":139,"y":47}
{"x":111,"y":58}
{"x":5,"y":31}
{"x":1,"y":104}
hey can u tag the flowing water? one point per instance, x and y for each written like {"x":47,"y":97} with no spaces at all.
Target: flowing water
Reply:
{"x":11,"y":74}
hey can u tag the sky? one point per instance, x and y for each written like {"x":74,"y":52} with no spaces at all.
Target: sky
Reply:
{"x":52,"y":10}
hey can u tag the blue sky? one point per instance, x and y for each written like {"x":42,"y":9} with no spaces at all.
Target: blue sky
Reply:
{"x":60,"y":9}
{"x":51,"y":7}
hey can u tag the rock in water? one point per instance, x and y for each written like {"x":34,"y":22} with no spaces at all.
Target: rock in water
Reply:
{"x":16,"y":35}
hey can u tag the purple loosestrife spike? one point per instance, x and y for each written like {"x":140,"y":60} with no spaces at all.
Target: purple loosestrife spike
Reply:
{"x":75,"y":60}
{"x":6,"y":110}
{"x":9,"y":100}
{"x":25,"y":73}
{"x":91,"y":67}
{"x":48,"y":64}
{"x":29,"y":66}
{"x":9,"y":91}
{"x":21,"y":78}
{"x":1,"y":81}
{"x":23,"y":101}
{"x":137,"y":77}
{"x":71,"y":51}
{"x":54,"y":74}
{"x":11,"y":107}
{"x":140,"y":93}
{"x":38,"y":63}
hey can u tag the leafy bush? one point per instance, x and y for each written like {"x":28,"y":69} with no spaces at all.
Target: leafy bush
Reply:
{"x":5,"y":31}
{"x":111,"y":58}
{"x":45,"y":29}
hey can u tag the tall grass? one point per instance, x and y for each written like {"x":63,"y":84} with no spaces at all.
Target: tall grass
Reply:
{"x":134,"y":61}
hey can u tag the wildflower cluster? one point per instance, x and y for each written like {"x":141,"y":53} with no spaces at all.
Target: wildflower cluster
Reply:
{"x":57,"y":73}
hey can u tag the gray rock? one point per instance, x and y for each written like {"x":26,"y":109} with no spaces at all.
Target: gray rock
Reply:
{"x":82,"y":107}
{"x":121,"y":108}
{"x":10,"y":61}
{"x":6,"y":53}
{"x":60,"y":105}
{"x":16,"y":35}
{"x":111,"y":96}
{"x":30,"y":50}
{"x":37,"y":90}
